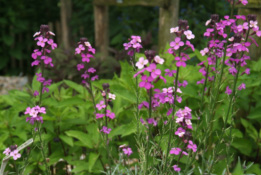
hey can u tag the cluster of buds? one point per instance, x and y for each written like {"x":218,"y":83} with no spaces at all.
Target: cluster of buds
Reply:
{"x":34,"y":114}
{"x":184,"y":120}
{"x":244,"y":2}
{"x":86,"y":51}
{"x":126,"y":150}
{"x":102,"y":106}
{"x":12,"y":151}
{"x":134,"y":45}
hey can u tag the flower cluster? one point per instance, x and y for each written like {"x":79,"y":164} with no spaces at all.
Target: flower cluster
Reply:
{"x":46,"y":44}
{"x":184,"y":120}
{"x":181,"y":42}
{"x":34,"y":114}
{"x":234,"y":47}
{"x":134,"y":45}
{"x":126,"y":150}
{"x":102,"y":106}
{"x":13,"y":152}
{"x":86,"y":51}
{"x":244,"y":2}
{"x":149,"y":73}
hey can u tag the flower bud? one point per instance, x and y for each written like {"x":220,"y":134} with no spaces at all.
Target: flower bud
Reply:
{"x":44,"y":28}
{"x":237,"y":38}
{"x":251,"y":17}
{"x":183,"y":24}
{"x":13,"y":147}
{"x":215,"y":17}
{"x":150,"y":54}
{"x":105,"y":86}
{"x":83,"y":39}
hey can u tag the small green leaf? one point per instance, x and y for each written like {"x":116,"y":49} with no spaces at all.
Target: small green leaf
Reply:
{"x":83,"y":137}
{"x":67,"y":140}
{"x":92,"y":160}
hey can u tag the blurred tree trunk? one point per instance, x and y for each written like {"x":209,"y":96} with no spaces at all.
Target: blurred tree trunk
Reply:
{"x":169,"y":15}
{"x":66,"y":12}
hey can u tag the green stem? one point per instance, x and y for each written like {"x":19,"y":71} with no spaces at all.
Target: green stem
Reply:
{"x":172,"y":119}
{"x":148,"y":143}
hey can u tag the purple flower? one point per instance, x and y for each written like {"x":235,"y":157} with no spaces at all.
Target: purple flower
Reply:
{"x":15,"y":154}
{"x":79,"y":49}
{"x":110,"y":114}
{"x":153,"y":70}
{"x":228,"y":91}
{"x":41,"y":41}
{"x":80,"y":66}
{"x":181,"y":61}
{"x":242,"y":86}
{"x":192,"y":146}
{"x":127,"y":151}
{"x":175,"y":151}
{"x":170,"y":72}
{"x":152,"y":121}
{"x":94,"y":78}
{"x":106,"y":130}
{"x":180,"y":132}
{"x":91,"y":70}
{"x":146,"y":82}
{"x":99,"y":115}
{"x":100,"y":105}
{"x":52,"y":44}
{"x":176,"y":168}
{"x":36,"y":93}
{"x":177,"y":43}
{"x":36,"y":53}
{"x":7,"y":151}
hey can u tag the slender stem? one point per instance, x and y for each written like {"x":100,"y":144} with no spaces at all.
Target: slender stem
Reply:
{"x":172,"y":118}
{"x":148,"y":143}
{"x":93,"y":99}
{"x":106,"y":135}
{"x":42,"y":149}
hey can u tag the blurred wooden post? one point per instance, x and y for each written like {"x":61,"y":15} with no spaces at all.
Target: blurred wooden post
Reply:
{"x":66,"y":11}
{"x":101,"y":19}
{"x":168,"y":17}
{"x":253,"y":7}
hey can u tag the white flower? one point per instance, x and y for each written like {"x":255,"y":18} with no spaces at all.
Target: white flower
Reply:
{"x":179,"y":119}
{"x":51,"y":33}
{"x":140,"y":64}
{"x":204,"y":51}
{"x":231,"y":39}
{"x":189,"y":34}
{"x":158,"y":60}
{"x":37,"y":33}
{"x":207,"y":22}
{"x":167,"y":90}
{"x":253,"y":24}
{"x":188,"y":122}
{"x":87,"y":44}
{"x":172,"y":30}
{"x":112,"y":96}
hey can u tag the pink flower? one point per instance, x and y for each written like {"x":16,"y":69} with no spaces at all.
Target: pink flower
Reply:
{"x":170,"y":72}
{"x":176,"y":168}
{"x":79,"y":49}
{"x":177,"y":43}
{"x":190,"y":45}
{"x":99,"y":116}
{"x":36,"y":93}
{"x":15,"y":154}
{"x":146,"y":82}
{"x":100,"y":105}
{"x":180,"y":132}
{"x":152,"y":121}
{"x":208,"y":32}
{"x":204,"y":51}
{"x":91,"y":70}
{"x":228,"y":91}
{"x":94,"y":78}
{"x":41,"y":41}
{"x":106,"y":130}
{"x":158,"y":60}
{"x":192,"y":146}
{"x":153,"y":70}
{"x":35,"y":63}
{"x":181,"y":61}
{"x":173,"y":30}
{"x":244,"y":2}
{"x":240,"y":28}
{"x":52,"y":44}
{"x":36,"y":54}
{"x":140,"y":64}
{"x":110,"y":114}
{"x":127,"y":151}
{"x":7,"y":151}
{"x":242,"y":86}
{"x":80,"y":66}
{"x":189,"y":34}
{"x":175,"y":151}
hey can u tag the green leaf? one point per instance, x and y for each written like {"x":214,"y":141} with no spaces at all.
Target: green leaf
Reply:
{"x":67,"y":140}
{"x":70,"y":102}
{"x":243,"y":145}
{"x":83,"y":137}
{"x":75,"y":86}
{"x":92,"y":160}
{"x":124,"y":130}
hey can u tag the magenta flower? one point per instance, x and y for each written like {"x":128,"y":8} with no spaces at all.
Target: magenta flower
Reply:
{"x":106,"y":130}
{"x":228,"y":91}
{"x":110,"y":114}
{"x":175,"y":151}
{"x":36,"y":53}
{"x":180,"y":132}
{"x":80,"y":66}
{"x":79,"y":49}
{"x":52,"y":44}
{"x":181,"y":61}
{"x":100,"y":105}
{"x":35,"y":63}
{"x":15,"y":154}
{"x":192,"y":146}
{"x":153,"y":70}
{"x":146,"y":82}
{"x":127,"y":151}
{"x":242,"y":86}
{"x":41,"y":41}
{"x":36,"y":93}
{"x":99,"y":115}
{"x":152,"y":121}
{"x":176,"y":168}
{"x":188,"y":43}
{"x":177,"y":43}
{"x":170,"y":72}
{"x":91,"y":70}
{"x":94,"y":78}
{"x":244,"y":2}
{"x":7,"y":151}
